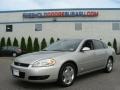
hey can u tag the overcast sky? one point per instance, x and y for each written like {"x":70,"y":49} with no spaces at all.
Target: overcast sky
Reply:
{"x":6,"y":5}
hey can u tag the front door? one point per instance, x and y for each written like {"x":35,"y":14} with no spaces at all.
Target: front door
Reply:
{"x":87,"y":58}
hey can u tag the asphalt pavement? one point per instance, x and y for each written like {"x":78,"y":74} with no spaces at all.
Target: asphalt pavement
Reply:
{"x":93,"y":81}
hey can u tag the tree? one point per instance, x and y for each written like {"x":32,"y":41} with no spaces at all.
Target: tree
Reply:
{"x":2,"y":42}
{"x":29,"y":45}
{"x":36,"y":45}
{"x":15,"y":42}
{"x":115,"y":45}
{"x":9,"y":42}
{"x":23,"y":44}
{"x":43,"y":44}
{"x":51,"y":40}
{"x":109,"y":44}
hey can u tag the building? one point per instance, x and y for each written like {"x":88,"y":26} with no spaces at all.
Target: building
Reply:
{"x":61,"y":23}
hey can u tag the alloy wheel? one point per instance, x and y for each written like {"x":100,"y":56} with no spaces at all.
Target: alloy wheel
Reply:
{"x":68,"y":75}
{"x":109,"y":65}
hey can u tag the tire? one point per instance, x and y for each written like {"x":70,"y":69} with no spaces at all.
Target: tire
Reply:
{"x":109,"y":66}
{"x":14,"y":54}
{"x":67,"y":75}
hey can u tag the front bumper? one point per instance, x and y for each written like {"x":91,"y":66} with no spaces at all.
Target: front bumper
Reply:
{"x":36,"y":74}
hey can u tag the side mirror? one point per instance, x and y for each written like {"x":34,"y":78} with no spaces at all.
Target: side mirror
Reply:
{"x":86,"y":49}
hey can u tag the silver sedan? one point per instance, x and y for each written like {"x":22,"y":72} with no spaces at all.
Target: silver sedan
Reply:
{"x":63,"y":61}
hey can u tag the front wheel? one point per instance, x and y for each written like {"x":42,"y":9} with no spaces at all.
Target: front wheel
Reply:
{"x":67,"y":75}
{"x":109,"y":66}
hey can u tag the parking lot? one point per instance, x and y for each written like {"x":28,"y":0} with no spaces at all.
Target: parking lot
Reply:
{"x":94,"y":81}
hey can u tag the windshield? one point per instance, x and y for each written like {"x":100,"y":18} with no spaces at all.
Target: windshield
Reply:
{"x":64,"y":45}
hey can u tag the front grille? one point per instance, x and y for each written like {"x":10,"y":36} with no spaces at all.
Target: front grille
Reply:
{"x":22,"y":75}
{"x":21,"y":64}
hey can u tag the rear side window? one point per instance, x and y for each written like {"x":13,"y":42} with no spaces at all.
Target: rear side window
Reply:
{"x":98,"y":44}
{"x":11,"y":48}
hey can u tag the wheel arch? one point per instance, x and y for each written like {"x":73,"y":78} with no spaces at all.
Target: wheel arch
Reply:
{"x":73,"y":62}
{"x":111,"y":57}
{"x":59,"y":80}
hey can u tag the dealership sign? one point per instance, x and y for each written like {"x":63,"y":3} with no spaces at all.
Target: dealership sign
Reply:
{"x":61,"y":14}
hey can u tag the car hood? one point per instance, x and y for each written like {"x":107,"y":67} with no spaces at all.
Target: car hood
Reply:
{"x":42,"y":55}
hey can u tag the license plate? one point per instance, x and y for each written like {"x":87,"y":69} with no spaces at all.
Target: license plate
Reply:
{"x":15,"y":72}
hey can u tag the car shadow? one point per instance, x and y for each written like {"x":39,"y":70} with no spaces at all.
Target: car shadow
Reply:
{"x":89,"y":76}
{"x":34,"y":86}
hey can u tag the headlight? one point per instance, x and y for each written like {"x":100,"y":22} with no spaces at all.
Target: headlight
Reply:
{"x":44,"y":63}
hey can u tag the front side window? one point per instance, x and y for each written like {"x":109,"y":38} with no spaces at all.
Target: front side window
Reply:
{"x":9,"y":28}
{"x":98,"y":44}
{"x":64,"y":45}
{"x":88,"y":44}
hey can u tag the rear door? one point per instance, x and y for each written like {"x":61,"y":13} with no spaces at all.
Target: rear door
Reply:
{"x":100,"y":53}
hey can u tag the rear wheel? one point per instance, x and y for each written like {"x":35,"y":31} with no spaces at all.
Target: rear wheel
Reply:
{"x":67,"y":75}
{"x":109,"y":66}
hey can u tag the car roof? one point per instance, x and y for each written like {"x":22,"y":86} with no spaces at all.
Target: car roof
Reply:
{"x":81,"y":39}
